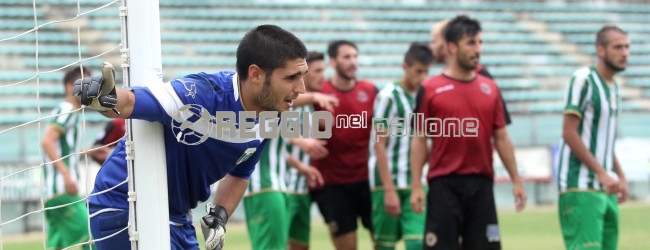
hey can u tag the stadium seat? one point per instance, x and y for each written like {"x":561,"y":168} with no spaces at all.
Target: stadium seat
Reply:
{"x":29,"y":104}
{"x":31,"y":89}
{"x":19,"y":76}
{"x":638,"y":82}
{"x":511,"y":84}
{"x":61,"y":62}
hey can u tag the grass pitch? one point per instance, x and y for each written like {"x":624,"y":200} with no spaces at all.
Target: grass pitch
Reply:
{"x":534,"y":228}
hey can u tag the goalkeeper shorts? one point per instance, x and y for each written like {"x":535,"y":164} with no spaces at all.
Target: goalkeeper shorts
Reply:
{"x":107,"y":222}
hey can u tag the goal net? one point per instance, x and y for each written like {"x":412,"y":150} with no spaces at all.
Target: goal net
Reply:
{"x":40,"y":41}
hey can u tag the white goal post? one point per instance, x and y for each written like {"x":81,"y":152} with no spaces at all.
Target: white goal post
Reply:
{"x":142,"y":66}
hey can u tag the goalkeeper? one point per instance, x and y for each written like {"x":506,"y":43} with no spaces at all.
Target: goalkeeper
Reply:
{"x":270,"y":69}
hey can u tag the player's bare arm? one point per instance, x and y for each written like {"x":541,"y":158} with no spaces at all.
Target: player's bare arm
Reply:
{"x":623,"y":188}
{"x":314,"y":177}
{"x":327,"y":102}
{"x":503,"y":145}
{"x":391,"y":200}
{"x":125,"y":103}
{"x":419,"y":157}
{"x":579,"y":149}
{"x":230,"y":191}
{"x":51,"y":138}
{"x":315,"y":148}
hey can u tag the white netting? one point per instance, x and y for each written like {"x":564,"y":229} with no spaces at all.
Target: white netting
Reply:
{"x":40,"y":40}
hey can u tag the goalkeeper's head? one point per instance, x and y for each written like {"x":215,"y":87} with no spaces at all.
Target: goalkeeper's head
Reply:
{"x":70,"y":77}
{"x":271,"y":64}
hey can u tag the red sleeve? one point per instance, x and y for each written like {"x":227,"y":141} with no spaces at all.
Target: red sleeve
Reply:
{"x":115,"y":132}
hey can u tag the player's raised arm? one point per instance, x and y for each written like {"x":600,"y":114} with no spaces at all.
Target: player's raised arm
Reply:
{"x":99,"y":93}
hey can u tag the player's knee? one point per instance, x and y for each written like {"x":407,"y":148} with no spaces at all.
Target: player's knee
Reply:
{"x":346,"y":241}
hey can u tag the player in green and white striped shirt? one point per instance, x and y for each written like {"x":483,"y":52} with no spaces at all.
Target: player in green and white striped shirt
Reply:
{"x":67,"y":225}
{"x":277,"y":202}
{"x":590,"y":178}
{"x":389,"y":161}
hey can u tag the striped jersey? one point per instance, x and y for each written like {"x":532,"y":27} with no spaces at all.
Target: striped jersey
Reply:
{"x":273,"y":173}
{"x":596,"y":104}
{"x":393,"y":102}
{"x":67,"y":122}
{"x":197,"y":154}
{"x":295,"y":182}
{"x":269,"y":171}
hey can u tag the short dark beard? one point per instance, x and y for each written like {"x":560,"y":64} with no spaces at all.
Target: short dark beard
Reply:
{"x":466,"y":65}
{"x":341,"y":73}
{"x":611,"y":65}
{"x":265,"y":98}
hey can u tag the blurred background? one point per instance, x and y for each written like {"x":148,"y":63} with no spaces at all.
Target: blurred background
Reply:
{"x":531,"y":48}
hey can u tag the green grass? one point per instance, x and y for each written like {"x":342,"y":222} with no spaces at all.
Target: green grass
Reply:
{"x":535,"y":228}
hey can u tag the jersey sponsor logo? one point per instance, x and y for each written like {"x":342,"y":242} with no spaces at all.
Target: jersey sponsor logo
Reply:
{"x":485,"y":88}
{"x":196,"y":126}
{"x":362,"y":96}
{"x":492,"y":233}
{"x":431,"y":239}
{"x":445,"y":88}
{"x":247,"y":154}
{"x":190,"y":87}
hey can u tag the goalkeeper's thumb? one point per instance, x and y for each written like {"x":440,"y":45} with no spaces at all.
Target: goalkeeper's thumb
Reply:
{"x":108,"y":73}
{"x":213,"y":226}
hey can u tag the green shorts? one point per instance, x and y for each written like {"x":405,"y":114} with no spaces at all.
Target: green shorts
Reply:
{"x":589,"y":220}
{"x":299,"y":209}
{"x":388,"y":230}
{"x":267,"y":220}
{"x":68,"y":225}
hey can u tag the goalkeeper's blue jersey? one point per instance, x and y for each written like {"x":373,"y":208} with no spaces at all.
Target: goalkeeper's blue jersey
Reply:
{"x":196,"y":156}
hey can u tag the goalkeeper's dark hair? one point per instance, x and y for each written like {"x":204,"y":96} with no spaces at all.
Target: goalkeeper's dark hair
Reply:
{"x":333,"y":47}
{"x":460,"y":26}
{"x":602,"y":37}
{"x":419,"y":52}
{"x":315,"y":56}
{"x":75,"y":73}
{"x":269,"y":47}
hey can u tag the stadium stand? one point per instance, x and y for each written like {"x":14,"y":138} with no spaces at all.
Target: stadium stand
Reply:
{"x":531,"y":48}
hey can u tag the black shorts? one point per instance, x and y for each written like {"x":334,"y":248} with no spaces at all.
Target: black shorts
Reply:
{"x":461,"y":214}
{"x":342,"y":204}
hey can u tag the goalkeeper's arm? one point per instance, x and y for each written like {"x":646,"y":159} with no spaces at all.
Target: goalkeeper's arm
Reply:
{"x":230,"y":191}
{"x":125,"y":102}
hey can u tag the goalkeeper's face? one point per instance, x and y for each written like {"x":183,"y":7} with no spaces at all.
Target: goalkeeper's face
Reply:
{"x":282,"y":86}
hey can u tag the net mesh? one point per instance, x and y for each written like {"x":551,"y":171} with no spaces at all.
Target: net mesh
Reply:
{"x":40,"y":41}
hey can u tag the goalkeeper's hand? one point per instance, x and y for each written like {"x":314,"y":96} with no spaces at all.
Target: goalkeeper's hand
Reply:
{"x":98,"y":92}
{"x":213,"y":226}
